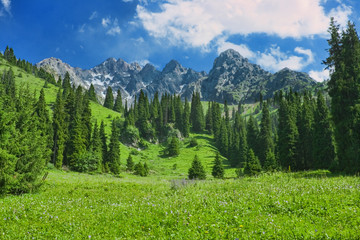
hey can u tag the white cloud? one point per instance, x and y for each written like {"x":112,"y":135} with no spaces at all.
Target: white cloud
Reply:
{"x":105,"y":22}
{"x":242,"y":48}
{"x":111,"y":26}
{"x":197,"y":22}
{"x":113,"y":31}
{"x":93,"y":15}
{"x":274,"y":59}
{"x":7,"y":5}
{"x":320,"y":76}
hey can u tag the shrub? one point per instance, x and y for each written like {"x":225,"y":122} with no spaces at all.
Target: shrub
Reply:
{"x":193,"y":142}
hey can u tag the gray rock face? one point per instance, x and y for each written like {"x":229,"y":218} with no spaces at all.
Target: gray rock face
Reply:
{"x":232,"y":78}
{"x":235,"y":79}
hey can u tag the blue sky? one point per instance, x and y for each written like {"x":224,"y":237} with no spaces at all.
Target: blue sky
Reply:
{"x":272,"y":33}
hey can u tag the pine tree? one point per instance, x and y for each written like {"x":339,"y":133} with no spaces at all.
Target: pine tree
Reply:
{"x":104,"y":147}
{"x":109,"y":98}
{"x":139,"y":169}
{"x":186,"y":119}
{"x":252,"y":166}
{"x":324,"y":148}
{"x":91,"y":93}
{"x":114,"y":149}
{"x":208,"y":119}
{"x":173,"y":148}
{"x":222,"y":140}
{"x":197,"y":115}
{"x":59,"y":133}
{"x":197,"y":170}
{"x":118,"y":106}
{"x":66,"y":85}
{"x":96,"y":146}
{"x":252,"y":134}
{"x":218,"y":168}
{"x":265,"y":136}
{"x":129,"y":164}
{"x":344,"y":65}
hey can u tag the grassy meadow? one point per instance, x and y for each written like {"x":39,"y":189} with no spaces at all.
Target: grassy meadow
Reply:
{"x":272,"y":206}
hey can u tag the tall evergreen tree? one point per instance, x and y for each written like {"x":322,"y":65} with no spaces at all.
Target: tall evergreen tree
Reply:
{"x":173,"y":148}
{"x":109,"y":98}
{"x":104,"y":147}
{"x":197,"y":171}
{"x":252,"y":166}
{"x":59,"y":133}
{"x":344,"y":65}
{"x":252,"y":134}
{"x":91,"y":93}
{"x":265,"y":136}
{"x":186,"y":119}
{"x":118,"y":106}
{"x":218,"y":168}
{"x":324,"y":148}
{"x":197,"y":115}
{"x":114,"y":149}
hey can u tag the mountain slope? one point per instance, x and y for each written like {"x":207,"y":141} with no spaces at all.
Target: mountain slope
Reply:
{"x":232,"y":78}
{"x":24,"y":79}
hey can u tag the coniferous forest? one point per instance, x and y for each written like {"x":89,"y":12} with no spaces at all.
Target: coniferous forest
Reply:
{"x":290,"y":132}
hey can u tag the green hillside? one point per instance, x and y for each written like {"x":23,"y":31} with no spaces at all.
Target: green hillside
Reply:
{"x":169,"y":167}
{"x":24,"y":79}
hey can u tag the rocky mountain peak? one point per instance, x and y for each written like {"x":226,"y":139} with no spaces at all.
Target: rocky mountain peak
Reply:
{"x":229,"y":57}
{"x":174,"y":66}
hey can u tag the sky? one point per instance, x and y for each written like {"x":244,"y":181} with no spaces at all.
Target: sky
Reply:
{"x":271,"y":33}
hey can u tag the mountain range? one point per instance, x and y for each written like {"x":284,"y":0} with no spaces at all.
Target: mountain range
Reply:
{"x":232,"y":78}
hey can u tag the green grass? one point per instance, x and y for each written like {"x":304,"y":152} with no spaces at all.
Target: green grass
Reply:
{"x":277,"y":206}
{"x":35,"y":84}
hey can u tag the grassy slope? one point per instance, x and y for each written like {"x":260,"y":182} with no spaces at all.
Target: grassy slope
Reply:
{"x":282,"y":206}
{"x":36,"y":84}
{"x":162,"y":166}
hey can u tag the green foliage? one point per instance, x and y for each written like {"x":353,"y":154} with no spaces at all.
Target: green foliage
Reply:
{"x":193,"y":142}
{"x":118,"y":106}
{"x":344,"y":89}
{"x":218,"y":168}
{"x":91,"y":93}
{"x":114,"y":149}
{"x":197,"y":170}
{"x":197,"y":115}
{"x":252,"y":166}
{"x":109,"y":98}
{"x":129,"y":164}
{"x":173,"y":148}
{"x":141,"y":170}
{"x":130,"y":135}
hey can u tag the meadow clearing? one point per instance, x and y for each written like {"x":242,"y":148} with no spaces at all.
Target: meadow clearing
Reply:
{"x":271,"y":206}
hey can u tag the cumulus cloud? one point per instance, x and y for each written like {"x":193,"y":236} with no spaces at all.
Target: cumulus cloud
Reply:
{"x":112,"y":27}
{"x":320,"y":76}
{"x":274,"y":59}
{"x":105,"y":22}
{"x":6,"y":7}
{"x":197,"y":22}
{"x":241,"y":48}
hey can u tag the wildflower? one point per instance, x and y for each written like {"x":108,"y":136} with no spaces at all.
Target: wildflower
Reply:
{"x":206,"y":232}
{"x":241,"y":226}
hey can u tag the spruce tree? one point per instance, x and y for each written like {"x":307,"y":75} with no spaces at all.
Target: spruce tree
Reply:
{"x":91,"y":93}
{"x":104,"y":147}
{"x":186,"y":119}
{"x":343,"y":62}
{"x":129,"y":164}
{"x":96,"y":146}
{"x":218,"y":168}
{"x":266,"y":143}
{"x":118,"y":106}
{"x":252,"y":166}
{"x":197,"y":115}
{"x":59,"y":132}
{"x":252,"y":134}
{"x":197,"y":171}
{"x":173,"y":148}
{"x":114,"y":149}
{"x":109,"y":98}
{"x":324,"y":148}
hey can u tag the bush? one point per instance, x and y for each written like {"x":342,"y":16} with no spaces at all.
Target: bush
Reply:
{"x":193,"y":142}
{"x":129,"y":164}
{"x":88,"y":162}
{"x":140,"y":169}
{"x":130,"y":135}
{"x":252,"y":166}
